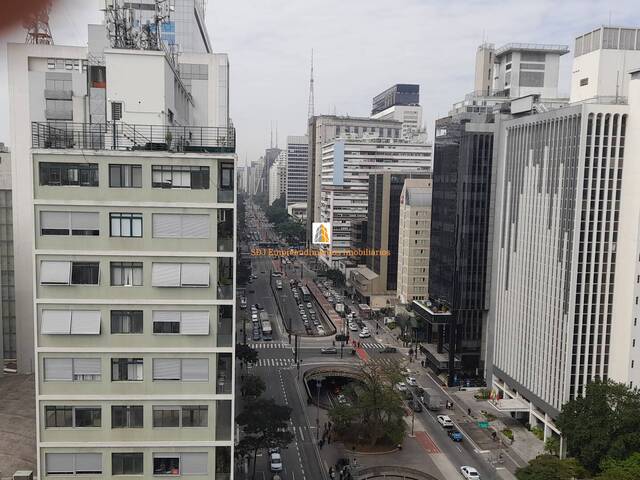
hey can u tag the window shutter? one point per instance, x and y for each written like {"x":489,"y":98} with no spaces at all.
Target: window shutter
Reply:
{"x":54,"y":220}
{"x":58,"y":369}
{"x":55,"y":322}
{"x":165,"y":275}
{"x":166,"y":316}
{"x":195,"y":369}
{"x":85,"y":322}
{"x":194,"y":323}
{"x":88,"y":462}
{"x":59,"y":462}
{"x":55,"y":272}
{"x":195,"y":274}
{"x":194,"y":463}
{"x":87,"y":366}
{"x":166,"y":369}
{"x":166,"y":225}
{"x":195,"y":226}
{"x":85,"y":221}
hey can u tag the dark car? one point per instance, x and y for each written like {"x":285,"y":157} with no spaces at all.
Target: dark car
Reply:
{"x":389,"y":350}
{"x":455,"y":435}
{"x":329,"y":350}
{"x":415,"y":405}
{"x":256,"y":335}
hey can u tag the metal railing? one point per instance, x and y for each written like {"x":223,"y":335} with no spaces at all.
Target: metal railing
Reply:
{"x":532,"y":46}
{"x":124,"y":136}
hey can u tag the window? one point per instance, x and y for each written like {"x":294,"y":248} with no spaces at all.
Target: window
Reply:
{"x":166,"y":464}
{"x":183,"y":176}
{"x":85,"y":273}
{"x":127,"y":416}
{"x":186,"y":322}
{"x":126,"y":321}
{"x":584,"y":82}
{"x":185,"y":369}
{"x":73,"y":463}
{"x":180,"y":275}
{"x":74,"y":223}
{"x":195,"y":415}
{"x":72,"y":369}
{"x":126,"y":274}
{"x":88,"y":417}
{"x":58,"y":417}
{"x":70,"y":322}
{"x":125,"y":176}
{"x":127,"y":463}
{"x":126,"y":224}
{"x":180,"y":416}
{"x":116,"y":111}
{"x":126,"y":369}
{"x":225,"y":192}
{"x":82,"y":174}
{"x":166,"y":416}
{"x":180,"y":226}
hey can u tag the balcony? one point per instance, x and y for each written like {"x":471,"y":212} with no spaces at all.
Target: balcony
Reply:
{"x":124,"y":136}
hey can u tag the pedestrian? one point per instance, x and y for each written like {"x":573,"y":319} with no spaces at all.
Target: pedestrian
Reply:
{"x":469,"y":411}
{"x":320,"y":444}
{"x":422,"y":363}
{"x":329,"y":439}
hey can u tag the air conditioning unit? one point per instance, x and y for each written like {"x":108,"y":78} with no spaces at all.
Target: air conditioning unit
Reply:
{"x":23,"y":475}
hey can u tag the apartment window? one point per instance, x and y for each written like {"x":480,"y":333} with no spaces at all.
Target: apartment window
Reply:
{"x":70,"y":223}
{"x":70,"y":322}
{"x":73,"y":463}
{"x":87,"y":417}
{"x":125,"y":176}
{"x":127,"y":416}
{"x":225,"y":191}
{"x":166,"y":322}
{"x":53,"y":272}
{"x":80,"y":174}
{"x":126,"y":369}
{"x":126,"y":321}
{"x":72,"y":369}
{"x":126,"y":274}
{"x":180,"y":226}
{"x":180,"y":274}
{"x":85,"y":273}
{"x":166,"y":464}
{"x":174,"y":176}
{"x":126,"y":224}
{"x":58,"y":417}
{"x":185,"y":369}
{"x":166,"y":416}
{"x":195,"y":415}
{"x":584,"y":82}
{"x":185,"y":322}
{"x":127,"y":463}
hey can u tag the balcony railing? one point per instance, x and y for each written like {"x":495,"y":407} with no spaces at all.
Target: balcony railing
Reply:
{"x":124,"y":136}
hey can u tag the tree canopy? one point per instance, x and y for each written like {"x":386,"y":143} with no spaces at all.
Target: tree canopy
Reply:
{"x":246,"y":354}
{"x":548,"y":467}
{"x":627,"y":469}
{"x":252,"y":386}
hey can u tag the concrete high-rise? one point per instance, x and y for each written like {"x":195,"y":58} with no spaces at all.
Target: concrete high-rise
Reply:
{"x":128,"y":225}
{"x":297,"y":169}
{"x":400,"y":102}
{"x":7,"y":286}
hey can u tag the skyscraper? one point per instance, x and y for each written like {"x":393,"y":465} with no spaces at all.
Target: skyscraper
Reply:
{"x":400,"y":102}
{"x":297,"y":165}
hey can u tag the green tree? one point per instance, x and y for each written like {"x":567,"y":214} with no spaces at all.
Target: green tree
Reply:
{"x":252,"y":386}
{"x":548,"y":467}
{"x":605,"y":423}
{"x":403,"y":320}
{"x":627,"y":469}
{"x":246,"y":354}
{"x":264,"y":425}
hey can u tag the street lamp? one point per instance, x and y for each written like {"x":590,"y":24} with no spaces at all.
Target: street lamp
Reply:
{"x":318,"y":385}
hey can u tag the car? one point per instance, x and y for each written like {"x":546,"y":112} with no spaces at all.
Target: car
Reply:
{"x":328,"y":350}
{"x":254,"y":317}
{"x":412,"y":381}
{"x":445,"y":421}
{"x":415,"y":406}
{"x":321,"y":330}
{"x":274,"y":450}
{"x":256,"y":335}
{"x":455,"y":435}
{"x":469,"y":473}
{"x":262,"y":271}
{"x":275,"y":462}
{"x":316,"y":322}
{"x":389,"y":350}
{"x":303,"y":316}
{"x":312,"y":311}
{"x":401,"y":387}
{"x":353,"y":327}
{"x":364,"y":334}
{"x":243,"y":302}
{"x":309,"y":305}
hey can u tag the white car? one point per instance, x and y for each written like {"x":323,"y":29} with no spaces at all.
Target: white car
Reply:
{"x":401,"y":387}
{"x":353,"y":327}
{"x":469,"y":473}
{"x":445,"y":421}
{"x":254,"y":317}
{"x":364,"y":334}
{"x":412,"y":381}
{"x":309,"y":305}
{"x":275,"y":462}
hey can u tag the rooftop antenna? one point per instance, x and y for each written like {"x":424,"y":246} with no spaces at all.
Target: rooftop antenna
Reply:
{"x":37,"y":25}
{"x":276,"y":134}
{"x":271,"y":141}
{"x":311,"y":96}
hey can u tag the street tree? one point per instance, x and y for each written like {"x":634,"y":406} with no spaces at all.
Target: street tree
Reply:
{"x":376,"y":411}
{"x":627,"y":469}
{"x":264,"y":425}
{"x":252,"y":386}
{"x":549,"y":467}
{"x":246,"y":354}
{"x":604,"y":423}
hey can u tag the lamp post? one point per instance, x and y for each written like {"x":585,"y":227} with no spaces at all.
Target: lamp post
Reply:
{"x":318,"y":385}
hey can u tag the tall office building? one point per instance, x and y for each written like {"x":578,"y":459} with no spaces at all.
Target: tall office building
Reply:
{"x":278,"y":178}
{"x":485,"y":56}
{"x":297,"y":165}
{"x":414,"y":227}
{"x":400,"y":102}
{"x":566,"y":257}
{"x":128,"y":227}
{"x":7,"y":289}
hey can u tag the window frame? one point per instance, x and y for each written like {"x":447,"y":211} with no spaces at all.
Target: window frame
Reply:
{"x":129,"y":416}
{"x":201,"y":173}
{"x":92,"y":411}
{"x":135,"y":459}
{"x":92,"y":265}
{"x":164,"y":457}
{"x":58,"y":410}
{"x":90,"y":171}
{"x":131,"y":217}
{"x":122,"y":167}
{"x":129,"y":361}
{"x":134,"y":317}
{"x":123,"y":267}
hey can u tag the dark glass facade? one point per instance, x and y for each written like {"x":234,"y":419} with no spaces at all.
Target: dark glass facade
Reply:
{"x":399,"y":94}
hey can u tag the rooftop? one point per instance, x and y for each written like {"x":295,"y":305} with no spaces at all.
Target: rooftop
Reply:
{"x":534,"y":47}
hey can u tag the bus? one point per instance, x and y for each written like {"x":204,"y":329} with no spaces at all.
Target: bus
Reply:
{"x":306,"y":296}
{"x":266,"y":330}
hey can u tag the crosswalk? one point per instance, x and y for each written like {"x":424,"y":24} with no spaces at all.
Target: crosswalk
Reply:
{"x":269,"y":345}
{"x":371,"y":345}
{"x":274,"y":362}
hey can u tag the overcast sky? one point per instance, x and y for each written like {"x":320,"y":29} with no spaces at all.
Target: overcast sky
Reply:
{"x":360,"y":48}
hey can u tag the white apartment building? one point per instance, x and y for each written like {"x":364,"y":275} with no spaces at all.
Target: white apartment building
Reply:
{"x":413,"y":240}
{"x":125,"y":257}
{"x":566,"y":260}
{"x":346,"y":165}
{"x":297,"y":165}
{"x":409,"y":115}
{"x":278,"y":178}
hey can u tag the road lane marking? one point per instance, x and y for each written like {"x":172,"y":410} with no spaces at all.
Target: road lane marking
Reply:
{"x":301,"y":433}
{"x":427,"y":442}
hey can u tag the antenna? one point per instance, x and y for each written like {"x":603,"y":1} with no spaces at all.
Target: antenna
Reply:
{"x":271,"y":141}
{"x":276,"y":134}
{"x":37,"y":25}
{"x":311,"y":96}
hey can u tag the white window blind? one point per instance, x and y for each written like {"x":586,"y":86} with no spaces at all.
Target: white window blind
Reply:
{"x":165,"y":275}
{"x":85,"y":221}
{"x":59,"y":462}
{"x":180,"y":225}
{"x":166,"y":369}
{"x":87,"y":366}
{"x":194,"y":323}
{"x":166,"y":225}
{"x":58,"y":369}
{"x":85,"y":322}
{"x":55,"y":272}
{"x":166,"y":316}
{"x":195,"y":369}
{"x":194,"y":463}
{"x":55,"y":322}
{"x":195,"y":275}
{"x":88,"y":462}
{"x":54,"y":220}
{"x":195,"y":226}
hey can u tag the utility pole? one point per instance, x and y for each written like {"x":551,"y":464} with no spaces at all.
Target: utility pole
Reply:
{"x":318,"y":385}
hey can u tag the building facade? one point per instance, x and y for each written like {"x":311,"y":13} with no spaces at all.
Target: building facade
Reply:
{"x":7,"y":288}
{"x":401,"y":103}
{"x":414,"y":234}
{"x":297,"y":169}
{"x":278,"y":178}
